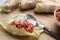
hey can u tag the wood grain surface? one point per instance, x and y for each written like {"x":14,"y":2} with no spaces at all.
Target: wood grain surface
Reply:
{"x":48,"y":18}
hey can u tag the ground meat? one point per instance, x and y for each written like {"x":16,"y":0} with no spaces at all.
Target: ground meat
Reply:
{"x":24,"y":25}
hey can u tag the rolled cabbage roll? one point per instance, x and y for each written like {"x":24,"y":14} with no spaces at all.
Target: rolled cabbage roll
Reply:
{"x":7,"y":5}
{"x":27,"y":4}
{"x":38,"y":1}
{"x":19,"y":31}
{"x":46,"y":7}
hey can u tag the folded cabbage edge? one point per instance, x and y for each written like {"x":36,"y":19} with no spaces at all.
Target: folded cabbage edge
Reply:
{"x":2,"y":9}
{"x":20,"y":32}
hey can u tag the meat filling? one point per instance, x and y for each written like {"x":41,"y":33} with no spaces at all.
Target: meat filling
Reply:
{"x":24,"y":25}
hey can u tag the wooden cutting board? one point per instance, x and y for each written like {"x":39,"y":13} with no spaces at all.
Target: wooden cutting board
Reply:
{"x":48,"y":20}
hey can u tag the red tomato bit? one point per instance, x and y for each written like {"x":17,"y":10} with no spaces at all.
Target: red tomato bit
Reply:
{"x":58,"y":15}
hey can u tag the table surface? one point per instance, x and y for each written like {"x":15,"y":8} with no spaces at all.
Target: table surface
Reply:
{"x":48,"y":20}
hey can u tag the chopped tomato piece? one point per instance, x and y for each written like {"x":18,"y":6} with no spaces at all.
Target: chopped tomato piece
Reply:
{"x":58,"y":14}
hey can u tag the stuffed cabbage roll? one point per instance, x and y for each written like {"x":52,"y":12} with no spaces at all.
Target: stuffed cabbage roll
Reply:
{"x":17,"y":25}
{"x":38,"y":1}
{"x":7,"y":5}
{"x":27,"y":4}
{"x":46,"y":7}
